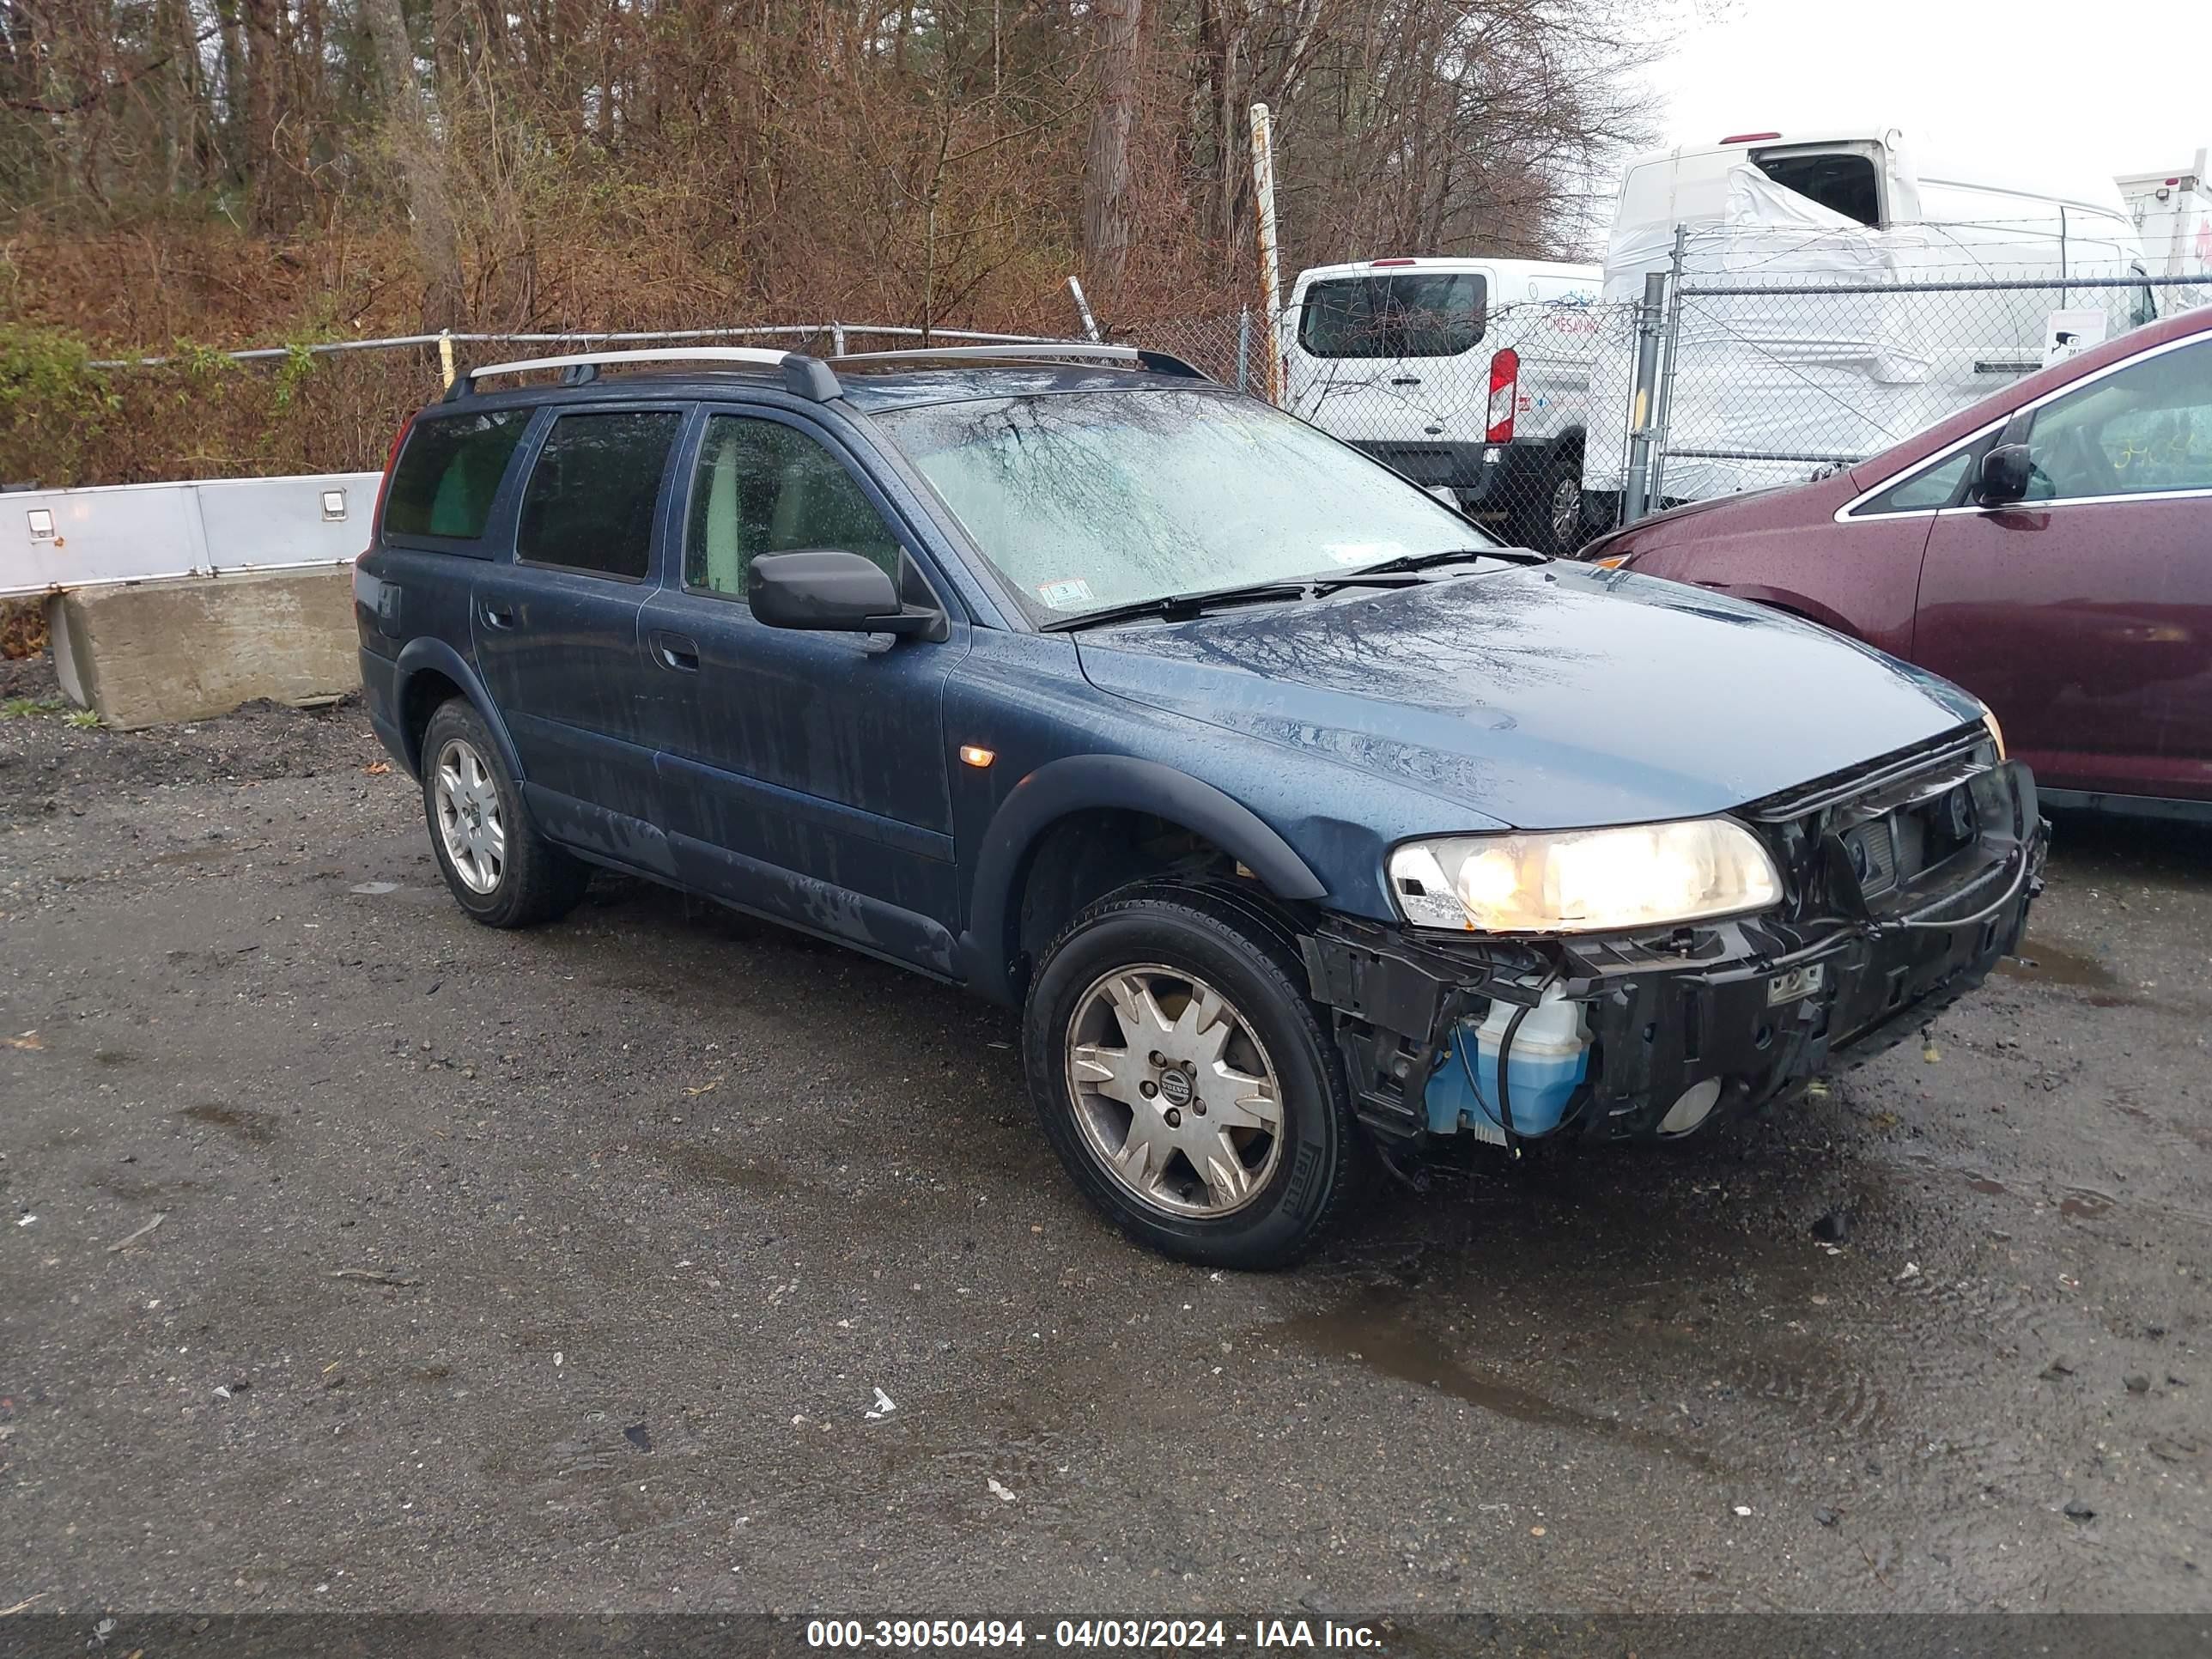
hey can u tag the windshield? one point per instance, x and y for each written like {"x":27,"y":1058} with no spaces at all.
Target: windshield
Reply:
{"x":1086,"y":500}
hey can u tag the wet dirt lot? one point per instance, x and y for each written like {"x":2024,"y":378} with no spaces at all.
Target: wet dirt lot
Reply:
{"x":561,"y":1270}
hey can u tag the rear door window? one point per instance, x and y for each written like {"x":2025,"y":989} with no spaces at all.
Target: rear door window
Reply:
{"x":1409,"y":314}
{"x":593,"y":493}
{"x":450,"y":471}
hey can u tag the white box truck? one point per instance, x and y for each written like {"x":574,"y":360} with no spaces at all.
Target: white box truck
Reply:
{"x":1771,"y":388}
{"x":2172,"y":214}
{"x":1471,"y":376}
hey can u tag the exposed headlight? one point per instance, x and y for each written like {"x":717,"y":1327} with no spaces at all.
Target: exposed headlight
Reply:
{"x":1996,"y":731}
{"x":1585,"y":881}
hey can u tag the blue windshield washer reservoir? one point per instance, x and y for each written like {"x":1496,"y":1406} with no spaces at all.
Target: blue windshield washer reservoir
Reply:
{"x":1550,"y":1058}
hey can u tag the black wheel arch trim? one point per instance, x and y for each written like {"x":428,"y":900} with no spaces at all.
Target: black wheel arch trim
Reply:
{"x":1078,"y":783}
{"x":435,"y":656}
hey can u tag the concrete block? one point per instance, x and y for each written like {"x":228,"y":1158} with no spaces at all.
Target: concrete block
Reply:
{"x":151,"y":653}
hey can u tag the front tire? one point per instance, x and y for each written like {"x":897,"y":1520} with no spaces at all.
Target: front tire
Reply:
{"x":1186,"y":1081}
{"x":496,"y":865}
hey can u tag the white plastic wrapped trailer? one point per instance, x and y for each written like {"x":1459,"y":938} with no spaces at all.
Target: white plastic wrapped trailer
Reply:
{"x":1771,"y":386}
{"x":64,"y":538}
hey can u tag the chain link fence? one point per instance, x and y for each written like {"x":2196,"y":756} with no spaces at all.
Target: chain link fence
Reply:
{"x":1485,"y":401}
{"x":1547,"y":420}
{"x":315,"y":407}
{"x":1752,"y":379}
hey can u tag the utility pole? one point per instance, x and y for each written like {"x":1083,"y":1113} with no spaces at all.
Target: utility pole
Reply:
{"x":1271,"y":276}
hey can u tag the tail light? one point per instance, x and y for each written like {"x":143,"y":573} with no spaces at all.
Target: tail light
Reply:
{"x":384,"y":484}
{"x":1504,"y":387}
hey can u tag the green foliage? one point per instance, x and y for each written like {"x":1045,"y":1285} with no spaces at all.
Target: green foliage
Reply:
{"x":82,"y":719}
{"x":298,"y":367}
{"x":202,"y":373}
{"x":52,"y":404}
{"x":19,"y":708}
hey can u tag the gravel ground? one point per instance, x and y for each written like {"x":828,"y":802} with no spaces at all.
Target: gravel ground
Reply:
{"x":560,"y":1271}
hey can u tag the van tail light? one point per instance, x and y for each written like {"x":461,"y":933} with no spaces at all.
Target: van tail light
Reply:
{"x":384,"y":484}
{"x":1504,"y":387}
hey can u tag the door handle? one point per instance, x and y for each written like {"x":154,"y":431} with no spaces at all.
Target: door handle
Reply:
{"x":496,"y":618}
{"x":676,"y":651}
{"x":1406,"y":380}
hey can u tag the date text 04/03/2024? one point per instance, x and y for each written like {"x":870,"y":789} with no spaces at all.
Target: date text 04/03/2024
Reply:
{"x":1109,"y":1634}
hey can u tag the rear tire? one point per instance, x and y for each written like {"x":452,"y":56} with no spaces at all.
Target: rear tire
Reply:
{"x":1187,"y":1082}
{"x":498,"y":866}
{"x":1554,"y":519}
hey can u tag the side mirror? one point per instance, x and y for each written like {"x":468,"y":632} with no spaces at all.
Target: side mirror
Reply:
{"x":2004,"y":476}
{"x":831,"y":590}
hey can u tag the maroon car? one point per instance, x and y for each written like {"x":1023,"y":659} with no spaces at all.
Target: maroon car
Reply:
{"x":2049,"y":549}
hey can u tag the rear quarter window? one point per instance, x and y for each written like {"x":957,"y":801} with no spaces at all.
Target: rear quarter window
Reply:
{"x":450,"y":471}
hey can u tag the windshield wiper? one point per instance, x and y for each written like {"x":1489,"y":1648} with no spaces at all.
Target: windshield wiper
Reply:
{"x":1176,"y":607}
{"x":1452,"y":555}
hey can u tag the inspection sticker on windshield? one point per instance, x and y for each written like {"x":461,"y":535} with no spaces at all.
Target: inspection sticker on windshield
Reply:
{"x":1066,"y":593}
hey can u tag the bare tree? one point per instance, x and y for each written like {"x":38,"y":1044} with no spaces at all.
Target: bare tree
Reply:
{"x":1108,"y":213}
{"x":407,"y":129}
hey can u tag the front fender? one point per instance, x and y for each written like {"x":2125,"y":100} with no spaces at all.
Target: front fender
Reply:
{"x":429,"y":655}
{"x":1079,"y":783}
{"x":1788,"y":601}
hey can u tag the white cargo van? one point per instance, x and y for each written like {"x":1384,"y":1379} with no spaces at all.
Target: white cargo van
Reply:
{"x":1469,"y":376}
{"x":2172,"y":214}
{"x":1771,"y":387}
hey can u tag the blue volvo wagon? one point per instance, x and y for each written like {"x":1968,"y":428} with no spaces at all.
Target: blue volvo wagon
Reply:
{"x":1307,"y":827}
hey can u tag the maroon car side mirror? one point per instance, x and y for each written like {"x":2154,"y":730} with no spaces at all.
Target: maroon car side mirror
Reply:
{"x":2004,"y":476}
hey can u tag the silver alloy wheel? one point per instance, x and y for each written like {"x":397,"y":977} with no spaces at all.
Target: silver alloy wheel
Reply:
{"x":1173,"y":1091}
{"x":1566,"y":510}
{"x":467,"y":801}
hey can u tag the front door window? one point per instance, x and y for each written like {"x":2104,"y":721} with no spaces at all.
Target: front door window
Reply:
{"x":764,"y":487}
{"x":2142,"y":429}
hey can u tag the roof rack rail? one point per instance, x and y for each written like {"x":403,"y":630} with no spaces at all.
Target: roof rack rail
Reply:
{"x":803,"y":376}
{"x":1159,"y":362}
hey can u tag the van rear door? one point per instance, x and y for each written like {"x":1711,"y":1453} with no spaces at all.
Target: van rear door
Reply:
{"x":1385,"y":355}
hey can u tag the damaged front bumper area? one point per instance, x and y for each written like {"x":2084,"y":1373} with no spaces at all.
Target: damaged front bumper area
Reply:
{"x":1905,"y":883}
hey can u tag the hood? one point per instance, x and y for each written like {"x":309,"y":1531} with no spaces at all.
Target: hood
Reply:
{"x":1551,"y":696}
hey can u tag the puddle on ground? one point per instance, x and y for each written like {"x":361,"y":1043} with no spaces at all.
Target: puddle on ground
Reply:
{"x":193,"y":855}
{"x":137,"y":1192}
{"x":711,"y":1163}
{"x":257,"y":1128}
{"x":2054,"y":964}
{"x":2085,"y":1203}
{"x":2079,"y":1203}
{"x":1374,"y":1332}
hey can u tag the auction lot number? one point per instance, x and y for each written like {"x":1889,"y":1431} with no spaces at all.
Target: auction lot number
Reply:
{"x":1126,"y":1634}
